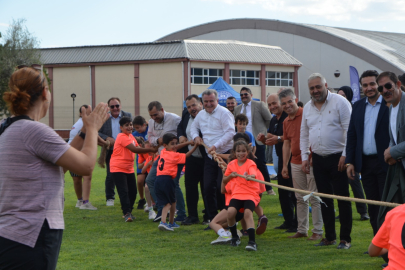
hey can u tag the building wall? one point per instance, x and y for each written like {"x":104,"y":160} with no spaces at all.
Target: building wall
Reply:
{"x":315,"y":56}
{"x":116,"y":81}
{"x":68,"y":80}
{"x":162,"y":82}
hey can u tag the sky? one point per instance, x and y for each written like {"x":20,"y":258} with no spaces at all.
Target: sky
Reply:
{"x":89,"y":22}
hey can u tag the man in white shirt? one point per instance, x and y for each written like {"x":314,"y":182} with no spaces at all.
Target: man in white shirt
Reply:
{"x":324,"y":125}
{"x":216,"y":124}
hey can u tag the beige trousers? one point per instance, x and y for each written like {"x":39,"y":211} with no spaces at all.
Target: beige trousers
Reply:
{"x":305,"y":181}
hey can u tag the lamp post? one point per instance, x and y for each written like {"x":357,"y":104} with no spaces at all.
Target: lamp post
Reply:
{"x":337,"y":73}
{"x":73,"y":96}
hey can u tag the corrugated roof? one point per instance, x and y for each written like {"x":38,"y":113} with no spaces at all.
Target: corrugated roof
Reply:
{"x":204,"y":50}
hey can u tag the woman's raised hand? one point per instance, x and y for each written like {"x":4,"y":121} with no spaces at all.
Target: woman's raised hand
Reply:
{"x":97,"y":117}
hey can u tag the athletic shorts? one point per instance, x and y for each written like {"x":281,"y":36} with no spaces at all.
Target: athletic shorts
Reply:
{"x":238,"y":204}
{"x":165,"y":190}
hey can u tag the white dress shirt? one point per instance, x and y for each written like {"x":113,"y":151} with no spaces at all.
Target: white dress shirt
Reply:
{"x":217,"y":128}
{"x":393,"y":121}
{"x":157,"y":130}
{"x":248,"y":115}
{"x":75,"y":129}
{"x":115,"y":125}
{"x":325,"y":130}
{"x":197,"y":152}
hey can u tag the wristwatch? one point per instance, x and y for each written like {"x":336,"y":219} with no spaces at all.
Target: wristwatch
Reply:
{"x":348,"y":164}
{"x":278,"y":138}
{"x":81,"y":134}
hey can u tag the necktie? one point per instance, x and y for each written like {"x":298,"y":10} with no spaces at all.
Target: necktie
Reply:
{"x":244,"y":109}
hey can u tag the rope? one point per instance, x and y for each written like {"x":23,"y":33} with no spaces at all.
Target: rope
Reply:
{"x":343,"y":198}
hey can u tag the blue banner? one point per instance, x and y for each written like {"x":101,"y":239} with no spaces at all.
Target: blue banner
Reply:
{"x":354,"y":84}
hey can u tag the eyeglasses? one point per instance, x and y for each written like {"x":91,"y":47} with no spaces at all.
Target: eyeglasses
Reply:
{"x":244,"y":94}
{"x":116,"y":106}
{"x":34,"y":66}
{"x":387,"y":86}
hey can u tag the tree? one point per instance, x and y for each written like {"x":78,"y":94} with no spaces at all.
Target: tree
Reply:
{"x":19,"y":47}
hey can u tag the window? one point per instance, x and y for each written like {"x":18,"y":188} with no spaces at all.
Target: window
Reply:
{"x":245,"y":77}
{"x":205,"y":75}
{"x":274,"y":78}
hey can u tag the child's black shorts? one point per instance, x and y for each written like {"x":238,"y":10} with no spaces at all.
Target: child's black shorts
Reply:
{"x":238,"y":204}
{"x":165,"y":190}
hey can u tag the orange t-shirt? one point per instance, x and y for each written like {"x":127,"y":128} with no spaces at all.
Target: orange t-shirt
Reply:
{"x":240,"y":188}
{"x":390,"y":236}
{"x":168,"y":162}
{"x":122,"y":159}
{"x":149,"y":158}
{"x":142,"y":158}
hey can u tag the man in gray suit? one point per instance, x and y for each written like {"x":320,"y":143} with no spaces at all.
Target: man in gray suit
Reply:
{"x":394,"y":155}
{"x":259,"y":120}
{"x":109,"y":132}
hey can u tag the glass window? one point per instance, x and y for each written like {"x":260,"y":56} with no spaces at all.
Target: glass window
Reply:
{"x":205,"y":76}
{"x":274,"y":78}
{"x":245,"y":77}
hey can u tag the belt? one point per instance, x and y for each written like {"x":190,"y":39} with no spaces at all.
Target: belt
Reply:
{"x":370,"y":156}
{"x":334,"y":154}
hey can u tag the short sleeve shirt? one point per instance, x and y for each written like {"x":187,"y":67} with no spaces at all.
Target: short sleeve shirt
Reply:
{"x":276,"y":128}
{"x":122,"y":159}
{"x":252,"y":139}
{"x":149,"y":158}
{"x":291,"y":132}
{"x":168,"y":162}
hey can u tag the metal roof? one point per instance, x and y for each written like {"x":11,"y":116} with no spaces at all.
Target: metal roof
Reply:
{"x":202,"y":50}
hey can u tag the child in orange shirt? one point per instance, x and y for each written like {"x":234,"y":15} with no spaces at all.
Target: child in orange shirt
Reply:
{"x":122,"y":166}
{"x":245,"y":194}
{"x":166,"y":172}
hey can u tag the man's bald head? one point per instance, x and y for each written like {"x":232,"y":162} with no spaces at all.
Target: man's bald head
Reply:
{"x":274,"y":104}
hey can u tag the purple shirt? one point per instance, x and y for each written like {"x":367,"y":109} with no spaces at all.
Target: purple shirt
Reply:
{"x":31,"y":185}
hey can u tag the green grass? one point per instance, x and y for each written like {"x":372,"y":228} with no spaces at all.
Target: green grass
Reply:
{"x":102,"y":240}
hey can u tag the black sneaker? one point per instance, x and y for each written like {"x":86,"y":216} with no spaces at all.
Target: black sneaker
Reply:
{"x":208,"y":228}
{"x":206,"y":222}
{"x":281,"y":227}
{"x":158,"y":217}
{"x":141,"y":203}
{"x":190,"y":221}
{"x":244,"y":232}
{"x":129,"y":217}
{"x":235,"y":242}
{"x":291,"y":230}
{"x":251,"y":246}
{"x":344,"y":245}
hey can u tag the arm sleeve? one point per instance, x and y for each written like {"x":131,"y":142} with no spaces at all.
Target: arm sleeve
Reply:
{"x":381,"y":239}
{"x":351,"y":142}
{"x":180,"y":158}
{"x":228,"y":128}
{"x":180,"y":130}
{"x":304,"y":136}
{"x":345,"y":113}
{"x":266,"y":115}
{"x":195,"y":127}
{"x":152,"y":139}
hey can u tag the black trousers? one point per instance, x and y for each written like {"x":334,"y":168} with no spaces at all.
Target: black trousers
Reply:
{"x":288,"y":201}
{"x":194,"y":175}
{"x":109,"y":182}
{"x":214,"y":199}
{"x":126,"y":188}
{"x":358,"y":193}
{"x":261,"y":163}
{"x":44,"y":255}
{"x":330,"y":181}
{"x":373,"y":177}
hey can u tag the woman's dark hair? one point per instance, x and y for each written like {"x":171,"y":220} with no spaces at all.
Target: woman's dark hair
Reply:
{"x":168,"y":137}
{"x":25,"y":87}
{"x":125,"y":120}
{"x":232,"y":156}
{"x":139,"y":121}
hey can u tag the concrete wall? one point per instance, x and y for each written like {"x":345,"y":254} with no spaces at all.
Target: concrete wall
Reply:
{"x":315,"y":56}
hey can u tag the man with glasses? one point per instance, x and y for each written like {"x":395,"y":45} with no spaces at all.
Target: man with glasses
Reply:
{"x":324,"y":125}
{"x":259,"y":119}
{"x":390,"y":88}
{"x":367,"y":139}
{"x":274,"y":137}
{"x":109,"y":132}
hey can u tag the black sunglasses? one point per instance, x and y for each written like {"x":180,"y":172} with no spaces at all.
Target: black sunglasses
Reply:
{"x":116,"y":106}
{"x":387,"y":86}
{"x":244,"y":94}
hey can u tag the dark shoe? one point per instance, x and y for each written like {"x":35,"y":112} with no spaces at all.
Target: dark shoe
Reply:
{"x":208,"y":228}
{"x":251,"y":246}
{"x":235,"y":242}
{"x":325,"y":242}
{"x":129,"y":217}
{"x":384,"y":265}
{"x":344,"y":245}
{"x":365,"y":252}
{"x":158,"y":217}
{"x":206,"y":222}
{"x":291,"y":230}
{"x":190,"y":221}
{"x":315,"y":236}
{"x":179,"y":219}
{"x":298,"y":235}
{"x":244,"y":232}
{"x":262,"y":225}
{"x":281,"y":227}
{"x":203,"y":211}
{"x":364,"y":217}
{"x":141,"y":203}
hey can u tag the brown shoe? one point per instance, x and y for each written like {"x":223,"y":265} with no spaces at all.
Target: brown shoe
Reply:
{"x":325,"y":242}
{"x":298,"y":235}
{"x":315,"y":236}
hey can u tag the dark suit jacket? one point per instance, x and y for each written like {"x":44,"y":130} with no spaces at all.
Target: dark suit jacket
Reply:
{"x":106,"y":131}
{"x":355,"y":134}
{"x":181,"y":131}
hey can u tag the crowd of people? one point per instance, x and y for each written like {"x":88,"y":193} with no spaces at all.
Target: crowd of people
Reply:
{"x":323,"y":147}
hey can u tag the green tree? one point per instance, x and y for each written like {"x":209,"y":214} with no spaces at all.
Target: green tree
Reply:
{"x":18,"y":47}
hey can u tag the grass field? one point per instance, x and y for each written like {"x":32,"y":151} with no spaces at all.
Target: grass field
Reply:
{"x":102,"y":240}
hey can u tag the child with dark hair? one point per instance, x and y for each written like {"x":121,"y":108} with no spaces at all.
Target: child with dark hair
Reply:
{"x":122,"y":166}
{"x":166,"y":171}
{"x":241,"y":122}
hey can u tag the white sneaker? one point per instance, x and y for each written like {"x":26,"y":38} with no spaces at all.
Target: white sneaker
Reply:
{"x":271,"y":192}
{"x":239,"y":233}
{"x":88,"y":206}
{"x":79,"y":203}
{"x":146,"y":208}
{"x":222,"y":240}
{"x":110,"y":202}
{"x":152,"y":214}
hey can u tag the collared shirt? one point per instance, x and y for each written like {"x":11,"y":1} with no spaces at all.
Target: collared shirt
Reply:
{"x":157,"y":130}
{"x":276,"y":128}
{"x":197,"y":152}
{"x":325,"y":130}
{"x":115,"y":125}
{"x":370,"y":123}
{"x":393,"y":122}
{"x":248,"y":115}
{"x":291,"y":132}
{"x":217,"y":128}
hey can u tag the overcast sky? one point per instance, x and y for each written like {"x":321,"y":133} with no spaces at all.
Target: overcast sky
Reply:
{"x":89,"y":22}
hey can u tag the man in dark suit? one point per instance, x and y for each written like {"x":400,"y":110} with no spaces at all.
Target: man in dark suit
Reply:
{"x":109,"y":132}
{"x":194,"y":172}
{"x":367,"y":139}
{"x":259,"y":120}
